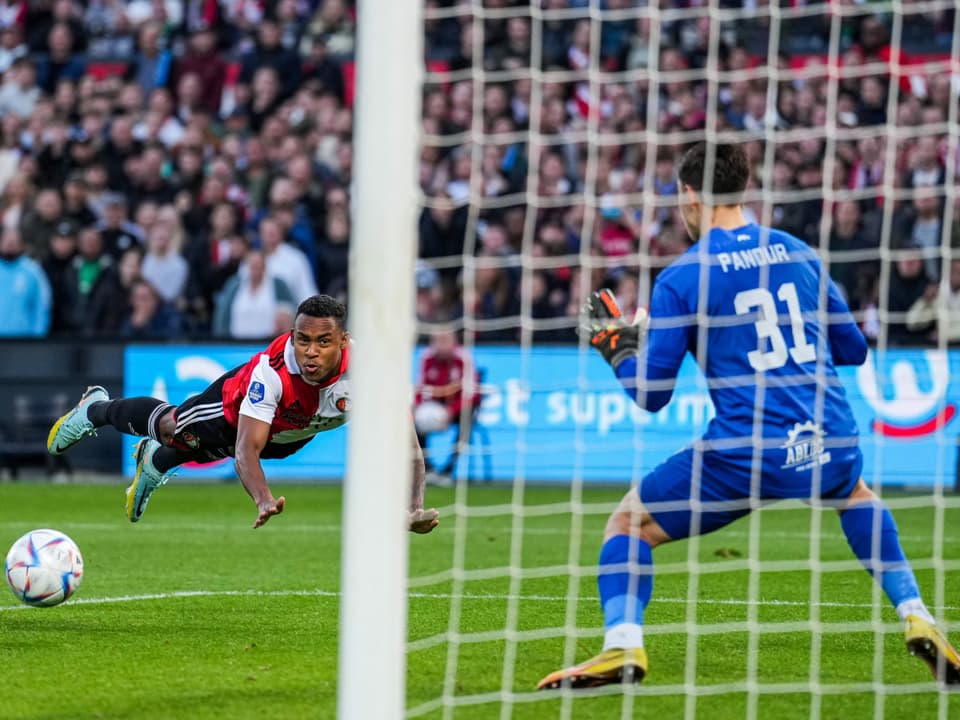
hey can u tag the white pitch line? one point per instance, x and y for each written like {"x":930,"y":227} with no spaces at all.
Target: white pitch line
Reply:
{"x":280,"y":526}
{"x":443,"y":596}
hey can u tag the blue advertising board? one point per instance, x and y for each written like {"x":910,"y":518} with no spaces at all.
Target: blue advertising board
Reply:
{"x":557,"y":413}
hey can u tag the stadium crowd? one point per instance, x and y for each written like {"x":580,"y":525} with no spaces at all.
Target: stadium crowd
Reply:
{"x":182,"y":169}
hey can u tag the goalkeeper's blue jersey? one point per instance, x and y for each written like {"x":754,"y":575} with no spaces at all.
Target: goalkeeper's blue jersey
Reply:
{"x":767,"y":326}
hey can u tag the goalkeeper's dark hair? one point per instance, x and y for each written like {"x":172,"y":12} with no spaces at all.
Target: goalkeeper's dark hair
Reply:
{"x":731,"y":170}
{"x":324,"y":306}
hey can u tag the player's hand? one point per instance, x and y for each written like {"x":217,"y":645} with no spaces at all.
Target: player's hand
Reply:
{"x":423,"y":521}
{"x":268,"y":508}
{"x":613,"y":336}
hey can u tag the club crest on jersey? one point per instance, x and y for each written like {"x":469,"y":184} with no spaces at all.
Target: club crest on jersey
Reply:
{"x":342,"y":404}
{"x":256,"y":392}
{"x":190,"y":440}
{"x":804,"y":447}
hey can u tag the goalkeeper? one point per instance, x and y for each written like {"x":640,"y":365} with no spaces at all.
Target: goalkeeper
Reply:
{"x":743,"y":300}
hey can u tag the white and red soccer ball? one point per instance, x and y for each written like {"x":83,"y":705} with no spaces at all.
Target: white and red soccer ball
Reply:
{"x":44,"y":568}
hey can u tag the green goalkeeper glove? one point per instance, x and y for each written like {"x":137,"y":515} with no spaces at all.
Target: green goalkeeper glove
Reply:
{"x":610,"y":332}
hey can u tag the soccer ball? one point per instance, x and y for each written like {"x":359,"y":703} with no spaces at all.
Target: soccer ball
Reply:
{"x":431,"y":417}
{"x":44,"y":568}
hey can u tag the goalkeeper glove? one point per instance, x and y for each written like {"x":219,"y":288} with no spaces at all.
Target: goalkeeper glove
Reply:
{"x":610,"y":333}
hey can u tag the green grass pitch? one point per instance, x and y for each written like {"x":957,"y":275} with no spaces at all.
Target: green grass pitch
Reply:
{"x":191,"y":614}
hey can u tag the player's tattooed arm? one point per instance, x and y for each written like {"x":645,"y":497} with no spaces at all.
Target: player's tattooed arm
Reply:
{"x":421,"y":521}
{"x":252,"y":436}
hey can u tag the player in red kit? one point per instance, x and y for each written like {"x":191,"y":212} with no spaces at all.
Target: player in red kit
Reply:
{"x":442,"y":393}
{"x":269,"y":407}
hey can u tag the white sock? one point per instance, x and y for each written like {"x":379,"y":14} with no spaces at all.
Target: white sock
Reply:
{"x":914,"y":607}
{"x":623,"y":636}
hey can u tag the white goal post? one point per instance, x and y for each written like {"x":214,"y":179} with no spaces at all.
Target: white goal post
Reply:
{"x":373,"y":610}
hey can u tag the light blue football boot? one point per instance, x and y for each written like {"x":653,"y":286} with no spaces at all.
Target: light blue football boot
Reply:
{"x":146,"y":479}
{"x":75,"y":426}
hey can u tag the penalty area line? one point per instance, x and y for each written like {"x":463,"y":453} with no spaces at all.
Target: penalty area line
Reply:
{"x":178,"y":594}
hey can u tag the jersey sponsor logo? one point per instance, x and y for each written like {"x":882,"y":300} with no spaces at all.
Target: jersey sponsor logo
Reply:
{"x":297,"y":419}
{"x":910,"y":401}
{"x":804,"y":447}
{"x":342,"y":404}
{"x":256,"y":392}
{"x":754,"y":257}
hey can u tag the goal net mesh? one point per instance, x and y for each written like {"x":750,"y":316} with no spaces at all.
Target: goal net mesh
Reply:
{"x":551,"y":136}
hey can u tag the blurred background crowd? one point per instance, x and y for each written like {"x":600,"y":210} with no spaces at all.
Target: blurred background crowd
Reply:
{"x":182,"y":169}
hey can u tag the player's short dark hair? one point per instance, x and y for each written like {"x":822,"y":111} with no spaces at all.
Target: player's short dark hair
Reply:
{"x":731,"y":169}
{"x":324,"y":306}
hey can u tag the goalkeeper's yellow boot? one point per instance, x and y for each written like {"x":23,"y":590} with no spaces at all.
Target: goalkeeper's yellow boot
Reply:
{"x":925,"y":641}
{"x":609,"y":667}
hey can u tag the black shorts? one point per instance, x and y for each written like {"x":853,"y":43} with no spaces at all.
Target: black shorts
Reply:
{"x":203,"y":435}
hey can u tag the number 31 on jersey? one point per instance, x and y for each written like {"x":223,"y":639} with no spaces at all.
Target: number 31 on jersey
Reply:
{"x":768,"y":327}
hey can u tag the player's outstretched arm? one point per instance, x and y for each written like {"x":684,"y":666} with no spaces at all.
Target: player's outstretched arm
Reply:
{"x":645,"y":360}
{"x":252,"y":436}
{"x":848,"y":346}
{"x":421,"y":521}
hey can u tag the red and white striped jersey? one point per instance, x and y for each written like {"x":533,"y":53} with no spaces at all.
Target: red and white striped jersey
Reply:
{"x":270,"y":388}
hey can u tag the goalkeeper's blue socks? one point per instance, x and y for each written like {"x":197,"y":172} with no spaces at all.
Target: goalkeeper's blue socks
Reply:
{"x":625,"y":581}
{"x":891,"y":568}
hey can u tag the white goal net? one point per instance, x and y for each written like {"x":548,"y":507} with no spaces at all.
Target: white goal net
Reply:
{"x":551,"y":134}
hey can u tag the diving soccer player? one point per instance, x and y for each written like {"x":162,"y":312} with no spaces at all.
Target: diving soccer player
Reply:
{"x":269,"y":407}
{"x":744,"y":300}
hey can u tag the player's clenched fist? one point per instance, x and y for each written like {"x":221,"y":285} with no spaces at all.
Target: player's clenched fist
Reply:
{"x":610,"y":332}
{"x":423,"y":521}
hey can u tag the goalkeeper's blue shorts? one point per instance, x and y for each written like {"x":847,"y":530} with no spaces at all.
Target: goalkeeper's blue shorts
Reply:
{"x":697,"y":492}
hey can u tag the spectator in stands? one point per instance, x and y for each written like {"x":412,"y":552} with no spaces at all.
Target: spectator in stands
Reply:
{"x":163,"y":265}
{"x":937,"y":312}
{"x":320,"y":72}
{"x":270,"y":53}
{"x":149,"y":318}
{"x":59,"y":62}
{"x":109,"y":302}
{"x":333,"y":21}
{"x":148,"y":181}
{"x":447,"y":395}
{"x":292,"y":216}
{"x":90,"y":269}
{"x":284,"y":261}
{"x":152,"y":63}
{"x":20,"y":92}
{"x":39,"y":224}
{"x":493,"y":296}
{"x":16,"y":199}
{"x":212,"y":258}
{"x":920,"y":225}
{"x":58,"y":267}
{"x":12,"y":47}
{"x":443,"y":228}
{"x":203,"y":60}
{"x":908,"y":282}
{"x":253,"y":305}
{"x":120,"y":147}
{"x":24,"y":288}
{"x":926,"y":169}
{"x":548,"y":302}
{"x":334,"y":255}
{"x":873,"y":102}
{"x":118,"y":233}
{"x":847,"y":236}
{"x":75,"y":206}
